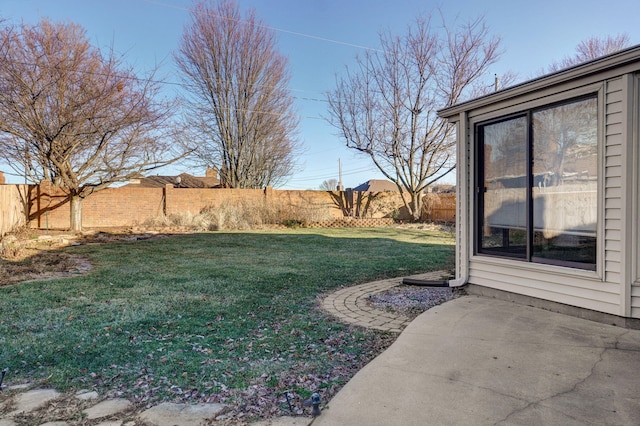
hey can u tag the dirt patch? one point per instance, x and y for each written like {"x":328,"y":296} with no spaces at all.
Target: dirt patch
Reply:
{"x":37,"y":255}
{"x":42,"y":266}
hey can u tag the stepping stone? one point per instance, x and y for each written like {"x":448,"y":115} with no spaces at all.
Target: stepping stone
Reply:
{"x":170,"y":414}
{"x":55,"y":424}
{"x":7,"y":422}
{"x":19,"y":387}
{"x":107,"y":408}
{"x":33,"y":400}
{"x":86,"y":395}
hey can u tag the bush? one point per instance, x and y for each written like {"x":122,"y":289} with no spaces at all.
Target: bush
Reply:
{"x":294,"y":223}
{"x":242,"y":215}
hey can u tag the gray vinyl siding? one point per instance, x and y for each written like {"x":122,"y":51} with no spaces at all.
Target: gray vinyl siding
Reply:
{"x":635,"y":301}
{"x":570,"y":290}
{"x":613,"y":203}
{"x":574,"y":290}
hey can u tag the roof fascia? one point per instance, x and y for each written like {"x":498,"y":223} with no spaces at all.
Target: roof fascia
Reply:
{"x":615,"y":60}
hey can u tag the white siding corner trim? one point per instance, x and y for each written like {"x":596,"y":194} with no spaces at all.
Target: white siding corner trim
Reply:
{"x":634,"y":197}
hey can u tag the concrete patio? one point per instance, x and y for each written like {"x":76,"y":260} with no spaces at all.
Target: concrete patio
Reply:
{"x":481,"y":361}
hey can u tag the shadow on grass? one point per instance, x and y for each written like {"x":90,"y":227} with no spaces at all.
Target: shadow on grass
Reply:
{"x":226,"y":316}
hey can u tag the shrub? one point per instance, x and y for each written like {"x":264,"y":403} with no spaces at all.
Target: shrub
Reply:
{"x":242,"y":215}
{"x":294,"y":223}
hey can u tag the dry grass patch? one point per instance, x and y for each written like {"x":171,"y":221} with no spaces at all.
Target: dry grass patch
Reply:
{"x":28,"y":258}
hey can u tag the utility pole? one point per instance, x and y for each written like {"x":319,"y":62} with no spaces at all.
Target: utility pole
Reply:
{"x":340,"y":186}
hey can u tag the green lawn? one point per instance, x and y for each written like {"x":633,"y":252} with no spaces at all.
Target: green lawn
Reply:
{"x":214,"y":316}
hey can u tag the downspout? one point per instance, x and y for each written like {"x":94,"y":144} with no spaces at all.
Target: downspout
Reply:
{"x":465,"y":153}
{"x":463,"y":201}
{"x":459,"y":282}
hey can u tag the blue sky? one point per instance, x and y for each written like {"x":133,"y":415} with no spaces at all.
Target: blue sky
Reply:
{"x":321,"y":37}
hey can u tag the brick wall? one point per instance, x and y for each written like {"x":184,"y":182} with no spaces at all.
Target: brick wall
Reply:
{"x":124,"y":206}
{"x":193,"y":200}
{"x":49,"y":207}
{"x":109,"y":207}
{"x":131,"y":205}
{"x":315,"y":205}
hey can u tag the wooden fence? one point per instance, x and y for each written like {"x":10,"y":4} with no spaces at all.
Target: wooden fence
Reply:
{"x":439,"y":208}
{"x":13,"y":202}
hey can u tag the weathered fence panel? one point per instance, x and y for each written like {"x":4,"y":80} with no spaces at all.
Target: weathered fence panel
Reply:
{"x":440,"y":208}
{"x":13,"y":202}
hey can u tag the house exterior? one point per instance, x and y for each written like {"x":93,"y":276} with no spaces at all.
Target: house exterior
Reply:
{"x":548,"y":190}
{"x":183,"y":180}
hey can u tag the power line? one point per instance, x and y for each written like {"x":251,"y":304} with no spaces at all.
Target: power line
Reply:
{"x":281,"y":30}
{"x":326,"y":175}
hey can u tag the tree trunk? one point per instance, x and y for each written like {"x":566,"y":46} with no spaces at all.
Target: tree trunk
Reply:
{"x":416,"y":206}
{"x":76,"y":213}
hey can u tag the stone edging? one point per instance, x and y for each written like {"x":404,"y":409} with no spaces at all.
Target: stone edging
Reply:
{"x":350,"y":304}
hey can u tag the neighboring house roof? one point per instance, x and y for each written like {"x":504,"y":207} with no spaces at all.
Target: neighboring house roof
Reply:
{"x":377,"y":185}
{"x":183,"y":180}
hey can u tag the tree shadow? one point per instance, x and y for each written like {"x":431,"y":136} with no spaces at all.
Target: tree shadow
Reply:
{"x":354,"y":203}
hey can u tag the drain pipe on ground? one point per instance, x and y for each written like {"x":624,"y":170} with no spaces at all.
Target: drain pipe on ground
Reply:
{"x":458,"y":282}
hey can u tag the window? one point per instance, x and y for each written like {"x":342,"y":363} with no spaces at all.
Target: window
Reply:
{"x":504,"y":195}
{"x":537,"y":185}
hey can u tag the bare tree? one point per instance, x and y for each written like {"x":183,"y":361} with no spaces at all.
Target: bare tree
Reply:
{"x":590,"y":49}
{"x":386,"y":107}
{"x":73,"y":115}
{"x":329,"y":185}
{"x":238,"y":103}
